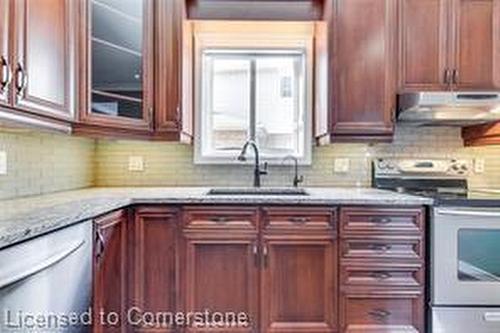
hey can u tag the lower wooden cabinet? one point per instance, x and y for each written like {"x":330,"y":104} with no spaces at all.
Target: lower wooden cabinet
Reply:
{"x":110,"y":273}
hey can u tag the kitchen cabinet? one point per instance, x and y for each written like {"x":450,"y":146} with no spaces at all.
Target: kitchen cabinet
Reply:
{"x":363,"y":55}
{"x":37,"y":45}
{"x":382,"y":270}
{"x":110,"y":272}
{"x":131,"y":53}
{"x":5,"y":69}
{"x":299,"y":270}
{"x":153,"y":254}
{"x":449,"y":44}
{"x":221,"y":263}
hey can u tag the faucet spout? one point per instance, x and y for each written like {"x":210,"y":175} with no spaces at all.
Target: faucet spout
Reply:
{"x":257,"y":170}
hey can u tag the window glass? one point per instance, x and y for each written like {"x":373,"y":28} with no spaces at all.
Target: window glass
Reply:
{"x":479,"y":255}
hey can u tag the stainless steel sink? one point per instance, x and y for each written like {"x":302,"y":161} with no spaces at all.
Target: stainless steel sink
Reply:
{"x":258,"y":191}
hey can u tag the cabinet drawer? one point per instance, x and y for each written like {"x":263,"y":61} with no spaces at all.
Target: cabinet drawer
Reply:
{"x":382,"y":275}
{"x":394,"y":247}
{"x":379,"y":312}
{"x":303,"y":218}
{"x":218,"y":218}
{"x":376,"y":220}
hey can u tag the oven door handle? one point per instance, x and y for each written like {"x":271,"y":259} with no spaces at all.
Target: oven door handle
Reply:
{"x":459,"y":212}
{"x":491,"y":316}
{"x":9,"y":278}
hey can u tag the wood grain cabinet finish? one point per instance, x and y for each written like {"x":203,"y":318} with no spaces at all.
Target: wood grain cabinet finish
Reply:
{"x":153,"y":253}
{"x":423,"y":53}
{"x":43,"y":63}
{"x":299,"y":274}
{"x":363,"y":54}
{"x":382,"y":272}
{"x":110,"y":271}
{"x":5,"y":59}
{"x":220,"y":263}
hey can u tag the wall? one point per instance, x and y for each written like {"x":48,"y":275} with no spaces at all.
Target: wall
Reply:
{"x":168,"y":164}
{"x":43,"y":163}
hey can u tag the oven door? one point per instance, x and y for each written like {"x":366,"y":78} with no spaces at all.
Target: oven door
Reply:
{"x":465,"y":264}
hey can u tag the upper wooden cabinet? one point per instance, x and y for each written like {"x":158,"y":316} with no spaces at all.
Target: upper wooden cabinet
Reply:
{"x":449,"y":44}
{"x":362,"y":55}
{"x":5,"y":69}
{"x":131,"y":53}
{"x":37,"y":67}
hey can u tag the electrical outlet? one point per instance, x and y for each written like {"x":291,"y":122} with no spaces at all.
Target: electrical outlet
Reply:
{"x":342,"y":165}
{"x":135,"y":163}
{"x":3,"y":163}
{"x":479,"y":165}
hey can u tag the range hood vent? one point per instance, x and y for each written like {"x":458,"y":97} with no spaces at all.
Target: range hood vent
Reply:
{"x":449,"y":108}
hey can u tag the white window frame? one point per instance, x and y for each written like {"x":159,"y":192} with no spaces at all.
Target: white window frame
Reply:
{"x":252,"y":36}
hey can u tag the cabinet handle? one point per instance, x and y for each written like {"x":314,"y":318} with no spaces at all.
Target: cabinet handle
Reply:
{"x":5,"y":73}
{"x":219,"y":219}
{"x":380,"y":314}
{"x":381,"y":220}
{"x":447,"y":77}
{"x":265,"y":254}
{"x":255,"y":250}
{"x":100,"y":244}
{"x":381,"y":247}
{"x":21,"y":79}
{"x":297,"y":219}
{"x":381,"y":275}
{"x":456,"y":76}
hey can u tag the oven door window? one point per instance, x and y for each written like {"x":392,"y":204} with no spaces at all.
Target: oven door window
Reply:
{"x":479,"y":255}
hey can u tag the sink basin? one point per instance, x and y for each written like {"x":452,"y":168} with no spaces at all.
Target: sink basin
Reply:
{"x":258,"y":191}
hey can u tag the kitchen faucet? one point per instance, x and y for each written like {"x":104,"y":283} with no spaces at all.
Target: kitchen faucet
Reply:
{"x":257,"y":172}
{"x":297,"y":179}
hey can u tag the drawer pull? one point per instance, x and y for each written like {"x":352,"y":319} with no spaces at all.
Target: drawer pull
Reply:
{"x":219,"y":219}
{"x":381,"y":220}
{"x":380,"y":314}
{"x":381,"y":247}
{"x":295,"y":219}
{"x":381,"y":276}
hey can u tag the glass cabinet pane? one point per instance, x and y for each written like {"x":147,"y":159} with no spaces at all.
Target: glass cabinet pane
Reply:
{"x":117,"y":57}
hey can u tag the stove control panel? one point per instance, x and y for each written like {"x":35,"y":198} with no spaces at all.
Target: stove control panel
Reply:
{"x":445,"y":168}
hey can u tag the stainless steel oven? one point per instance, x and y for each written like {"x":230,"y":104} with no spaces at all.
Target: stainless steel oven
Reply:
{"x":465,"y":270}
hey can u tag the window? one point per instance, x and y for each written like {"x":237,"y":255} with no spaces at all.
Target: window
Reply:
{"x":253,"y":93}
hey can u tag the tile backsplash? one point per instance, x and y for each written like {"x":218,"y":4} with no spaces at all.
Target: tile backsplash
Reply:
{"x":169,"y":164}
{"x":43,"y":163}
{"x":40,"y":163}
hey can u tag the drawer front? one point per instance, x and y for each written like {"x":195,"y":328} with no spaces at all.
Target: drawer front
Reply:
{"x":379,"y":275}
{"x":220,"y":218}
{"x":293,"y":218}
{"x":362,"y":313}
{"x":377,"y":220}
{"x":382,"y":248}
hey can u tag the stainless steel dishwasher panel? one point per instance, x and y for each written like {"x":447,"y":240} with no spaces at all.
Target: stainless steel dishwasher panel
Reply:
{"x":48,"y":279}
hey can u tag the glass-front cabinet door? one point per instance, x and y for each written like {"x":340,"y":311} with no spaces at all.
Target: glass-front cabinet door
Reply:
{"x":120,"y":60}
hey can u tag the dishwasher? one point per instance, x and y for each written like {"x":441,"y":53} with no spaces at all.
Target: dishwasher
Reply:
{"x":46,"y":282}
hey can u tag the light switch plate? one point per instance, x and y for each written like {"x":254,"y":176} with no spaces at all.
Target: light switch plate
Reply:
{"x":479,"y":165}
{"x":3,"y":163}
{"x":136,"y":163}
{"x":342,"y":165}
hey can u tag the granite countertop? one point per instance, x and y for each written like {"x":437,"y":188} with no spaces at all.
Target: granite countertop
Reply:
{"x":24,"y":218}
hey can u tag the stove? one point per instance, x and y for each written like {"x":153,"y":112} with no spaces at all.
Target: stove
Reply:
{"x":464,"y":241}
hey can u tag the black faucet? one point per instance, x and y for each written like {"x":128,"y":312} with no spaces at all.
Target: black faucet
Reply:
{"x":296,"y":179}
{"x":257,"y":172}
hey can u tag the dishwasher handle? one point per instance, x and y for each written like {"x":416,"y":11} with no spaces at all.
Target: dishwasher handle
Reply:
{"x":8,"y":279}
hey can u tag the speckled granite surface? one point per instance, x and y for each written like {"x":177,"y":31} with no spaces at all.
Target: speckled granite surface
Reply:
{"x":21,"y":219}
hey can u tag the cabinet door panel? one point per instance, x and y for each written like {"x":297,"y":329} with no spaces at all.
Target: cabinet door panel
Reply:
{"x":154,"y":282}
{"x":221,"y":275}
{"x":423,"y":28}
{"x":299,"y":283}
{"x":477,"y":35}
{"x":5,"y":59}
{"x":110,"y":271}
{"x":364,"y":56}
{"x":44,"y":69}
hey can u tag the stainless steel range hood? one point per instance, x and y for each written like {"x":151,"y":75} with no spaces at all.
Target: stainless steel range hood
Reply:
{"x":445,"y":108}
